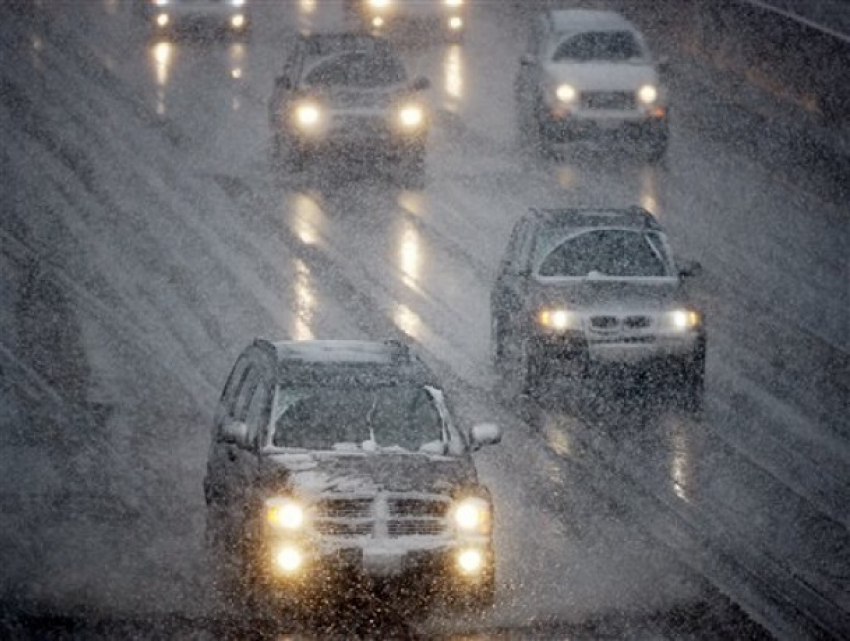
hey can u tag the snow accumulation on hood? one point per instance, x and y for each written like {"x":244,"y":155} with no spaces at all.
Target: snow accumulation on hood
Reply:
{"x":370,"y":472}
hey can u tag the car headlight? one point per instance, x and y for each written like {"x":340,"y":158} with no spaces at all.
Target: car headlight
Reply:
{"x":284,"y":514}
{"x":453,"y":3}
{"x":308,"y":115}
{"x":558,"y":319}
{"x":160,"y":3}
{"x":411,"y":116}
{"x":684,"y":319}
{"x":566,"y":93}
{"x":288,"y":559}
{"x":647,"y":94}
{"x":470,"y":561}
{"x":472,"y":514}
{"x":237,"y":3}
{"x":379,"y":4}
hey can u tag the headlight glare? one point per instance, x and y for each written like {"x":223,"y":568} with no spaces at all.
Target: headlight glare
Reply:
{"x":453,"y":3}
{"x":566,"y":93}
{"x":284,"y":514}
{"x":558,"y":319}
{"x":288,"y":559}
{"x":648,"y":94}
{"x":684,"y":319}
{"x":470,"y":560}
{"x":237,"y":3}
{"x":308,"y":115}
{"x":379,"y":4}
{"x":472,"y":515}
{"x":411,"y":116}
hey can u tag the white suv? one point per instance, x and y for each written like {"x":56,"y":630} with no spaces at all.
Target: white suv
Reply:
{"x":589,"y":74}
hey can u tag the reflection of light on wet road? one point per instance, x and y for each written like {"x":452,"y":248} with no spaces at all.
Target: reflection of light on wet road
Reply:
{"x":305,"y":302}
{"x":307,"y":6}
{"x":649,"y":190}
{"x":408,"y":322}
{"x":237,"y":57}
{"x":567,"y":177}
{"x":680,"y":462}
{"x":163,"y":53}
{"x":409,"y":257}
{"x":453,"y":71}
{"x":308,"y":217}
{"x":411,"y":201}
{"x":557,"y":438}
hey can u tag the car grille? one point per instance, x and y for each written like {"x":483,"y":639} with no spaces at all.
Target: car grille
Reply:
{"x":614,"y":100}
{"x":611,"y":323}
{"x":604,"y":322}
{"x":382,"y":515}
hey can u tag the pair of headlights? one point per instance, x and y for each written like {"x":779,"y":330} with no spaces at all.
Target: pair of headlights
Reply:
{"x":562,"y":319}
{"x":568,"y":94}
{"x":470,"y":515}
{"x":385,"y":4}
{"x":309,"y":116}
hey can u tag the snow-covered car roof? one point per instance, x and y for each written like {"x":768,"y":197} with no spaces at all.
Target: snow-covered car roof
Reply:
{"x":579,"y":20}
{"x":627,"y":218}
{"x":349,"y":363}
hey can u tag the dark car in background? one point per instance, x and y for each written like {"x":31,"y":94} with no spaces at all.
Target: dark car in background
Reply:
{"x":581,"y":290}
{"x":349,"y":94}
{"x":337,"y":464}
{"x":445,"y":17}
{"x":176,"y":16}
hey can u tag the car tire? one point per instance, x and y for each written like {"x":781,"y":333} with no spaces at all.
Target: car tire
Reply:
{"x":656,"y":148}
{"x":413,"y":169}
{"x":532,"y":370}
{"x":478,"y":597}
{"x":693,"y":380}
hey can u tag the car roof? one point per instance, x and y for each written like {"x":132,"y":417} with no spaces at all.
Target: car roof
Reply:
{"x":320,"y":45}
{"x":347,"y":362}
{"x":580,"y":20}
{"x":588,"y":218}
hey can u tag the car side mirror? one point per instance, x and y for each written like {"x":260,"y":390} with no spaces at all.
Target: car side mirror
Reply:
{"x":485,"y":434}
{"x":420,"y":84}
{"x":527,"y":60}
{"x":235,"y":432}
{"x":689,"y":269}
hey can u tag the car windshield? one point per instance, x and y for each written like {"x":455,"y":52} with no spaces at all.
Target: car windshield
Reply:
{"x":608,"y":46}
{"x":608,"y":252}
{"x":324,"y":418}
{"x":357,"y":69}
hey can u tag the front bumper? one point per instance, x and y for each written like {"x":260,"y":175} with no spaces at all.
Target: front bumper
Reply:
{"x":364,"y":138}
{"x":585,"y":126}
{"x":327,"y":572}
{"x":213,"y":15}
{"x":581,"y":352}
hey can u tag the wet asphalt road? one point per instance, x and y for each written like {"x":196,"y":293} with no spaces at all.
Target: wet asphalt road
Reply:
{"x":146,"y":238}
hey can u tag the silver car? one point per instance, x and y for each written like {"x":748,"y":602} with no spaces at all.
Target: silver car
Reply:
{"x":581,"y":290}
{"x":589,"y":74}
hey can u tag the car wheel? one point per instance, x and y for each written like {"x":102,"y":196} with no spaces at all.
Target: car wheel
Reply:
{"x":693,"y":380}
{"x":413,"y":169}
{"x":477,"y":597}
{"x":656,"y":148}
{"x":532,"y":369}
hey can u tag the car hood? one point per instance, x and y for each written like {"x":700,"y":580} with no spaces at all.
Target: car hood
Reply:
{"x":601,"y":76}
{"x":608,"y":295}
{"x":345,"y":98}
{"x":369,"y":472}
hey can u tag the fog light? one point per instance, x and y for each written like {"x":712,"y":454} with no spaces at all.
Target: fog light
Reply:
{"x":378,"y":21}
{"x":237,"y":21}
{"x":162,"y":19}
{"x":288,"y":559}
{"x":470,"y":561}
{"x":455,"y":23}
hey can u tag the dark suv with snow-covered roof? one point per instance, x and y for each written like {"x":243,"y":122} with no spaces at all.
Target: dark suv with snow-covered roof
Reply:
{"x":340,"y":460}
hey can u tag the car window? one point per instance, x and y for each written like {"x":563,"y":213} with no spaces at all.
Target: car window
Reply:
{"x":245,"y":394}
{"x":259,"y":410}
{"x":403,"y":417}
{"x":356,"y":69}
{"x":608,"y":46}
{"x":608,"y":252}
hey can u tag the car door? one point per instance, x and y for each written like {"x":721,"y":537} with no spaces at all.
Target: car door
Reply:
{"x":509,"y":290}
{"x":217,"y":464}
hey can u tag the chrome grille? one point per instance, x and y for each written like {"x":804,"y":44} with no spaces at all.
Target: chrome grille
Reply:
{"x":345,"y":508}
{"x":614,"y":100}
{"x":637,"y":322}
{"x":417,"y":507}
{"x":603,"y":322}
{"x":383,"y":515}
{"x":414,"y":527}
